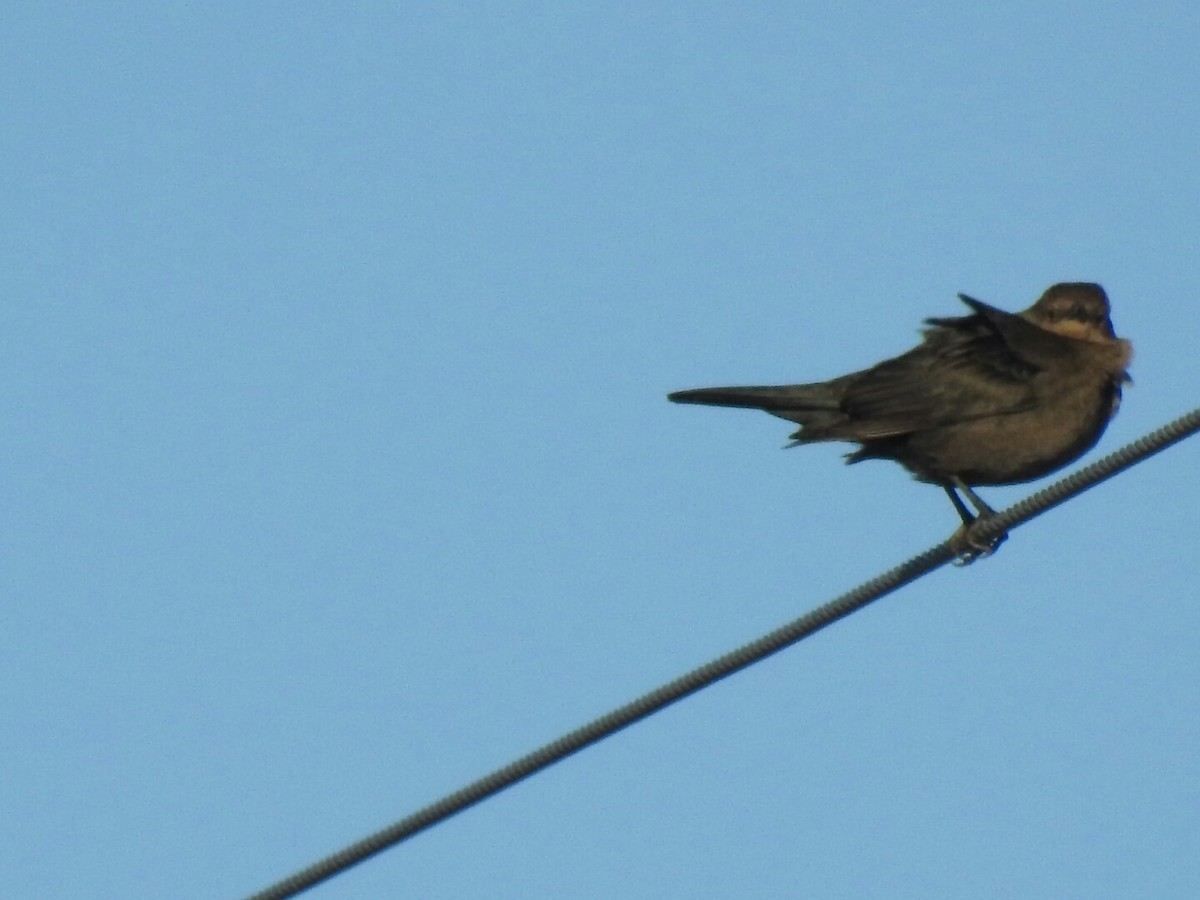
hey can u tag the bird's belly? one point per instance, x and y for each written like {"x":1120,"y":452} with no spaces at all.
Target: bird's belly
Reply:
{"x":1007,"y":449}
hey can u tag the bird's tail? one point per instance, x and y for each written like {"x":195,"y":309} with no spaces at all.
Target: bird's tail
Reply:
{"x":781,"y":399}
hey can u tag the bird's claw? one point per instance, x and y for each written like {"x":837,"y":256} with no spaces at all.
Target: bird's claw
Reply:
{"x":968,"y":547}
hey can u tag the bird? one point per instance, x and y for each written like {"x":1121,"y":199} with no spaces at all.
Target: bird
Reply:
{"x":987,"y":398}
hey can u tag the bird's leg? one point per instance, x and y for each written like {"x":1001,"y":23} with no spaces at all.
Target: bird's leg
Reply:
{"x":964,"y":513}
{"x":966,"y":546}
{"x":976,"y":500}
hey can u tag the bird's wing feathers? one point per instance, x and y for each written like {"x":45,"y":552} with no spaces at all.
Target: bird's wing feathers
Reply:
{"x":965,"y":369}
{"x":1021,"y":337}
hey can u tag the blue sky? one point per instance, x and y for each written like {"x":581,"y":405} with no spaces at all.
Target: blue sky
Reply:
{"x":338,"y":469}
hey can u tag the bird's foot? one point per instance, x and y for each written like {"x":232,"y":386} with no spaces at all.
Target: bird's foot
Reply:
{"x":968,"y":546}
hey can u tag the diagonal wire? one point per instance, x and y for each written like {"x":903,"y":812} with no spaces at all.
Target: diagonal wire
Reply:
{"x":984,"y":530}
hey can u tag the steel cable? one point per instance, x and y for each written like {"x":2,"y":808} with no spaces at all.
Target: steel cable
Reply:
{"x":984,"y":530}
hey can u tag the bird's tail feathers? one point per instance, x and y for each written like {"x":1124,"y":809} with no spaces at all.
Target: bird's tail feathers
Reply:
{"x":767,"y":397}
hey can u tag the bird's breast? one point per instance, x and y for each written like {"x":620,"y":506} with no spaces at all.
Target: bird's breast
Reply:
{"x":1064,"y":421}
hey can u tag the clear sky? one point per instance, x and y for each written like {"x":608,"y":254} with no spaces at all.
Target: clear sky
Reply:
{"x":338,"y":469}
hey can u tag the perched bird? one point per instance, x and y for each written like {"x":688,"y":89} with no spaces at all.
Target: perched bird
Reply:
{"x":987,"y":398}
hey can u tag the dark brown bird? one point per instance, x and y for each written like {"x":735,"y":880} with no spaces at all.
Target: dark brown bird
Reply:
{"x":988,"y":398}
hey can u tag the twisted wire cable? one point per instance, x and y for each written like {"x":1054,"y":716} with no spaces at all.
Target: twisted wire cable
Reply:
{"x":984,"y":530}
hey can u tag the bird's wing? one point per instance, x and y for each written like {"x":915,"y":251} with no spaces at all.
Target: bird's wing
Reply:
{"x":963,"y":370}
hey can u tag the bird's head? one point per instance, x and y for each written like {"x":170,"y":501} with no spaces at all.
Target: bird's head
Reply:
{"x":1074,"y":309}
